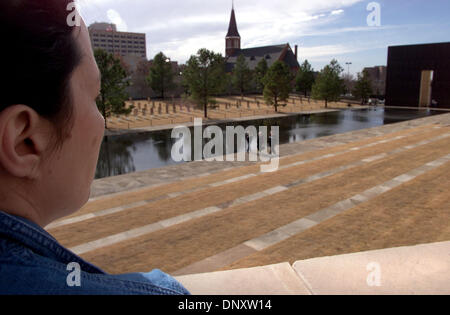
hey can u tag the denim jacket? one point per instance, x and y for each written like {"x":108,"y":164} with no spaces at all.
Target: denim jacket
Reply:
{"x":32,"y":262}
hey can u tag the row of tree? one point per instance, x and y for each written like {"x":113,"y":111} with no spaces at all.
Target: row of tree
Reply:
{"x":329,"y":84}
{"x":204,"y":77}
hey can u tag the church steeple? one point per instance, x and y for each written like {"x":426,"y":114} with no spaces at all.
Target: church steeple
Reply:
{"x":233,"y":39}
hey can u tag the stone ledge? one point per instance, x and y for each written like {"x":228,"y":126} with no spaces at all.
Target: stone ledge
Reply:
{"x":421,"y":269}
{"x":278,"y":279}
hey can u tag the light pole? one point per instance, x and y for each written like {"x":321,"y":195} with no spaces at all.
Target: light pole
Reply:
{"x":348,"y":77}
{"x":348,"y":64}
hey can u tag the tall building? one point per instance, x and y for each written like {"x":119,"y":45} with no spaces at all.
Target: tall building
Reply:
{"x":378,"y":77}
{"x":254,"y":55}
{"x":106,"y":37}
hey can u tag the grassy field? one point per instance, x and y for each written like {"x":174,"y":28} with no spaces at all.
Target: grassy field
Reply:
{"x":148,"y":113}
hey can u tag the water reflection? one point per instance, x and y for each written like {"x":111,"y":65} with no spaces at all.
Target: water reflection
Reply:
{"x":116,"y":157}
{"x":139,"y":152}
{"x":163,"y":144}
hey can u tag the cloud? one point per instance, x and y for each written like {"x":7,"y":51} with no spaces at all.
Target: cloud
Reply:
{"x":340,"y":30}
{"x":115,"y":18}
{"x":324,"y":53}
{"x":337,"y":12}
{"x":180,"y":28}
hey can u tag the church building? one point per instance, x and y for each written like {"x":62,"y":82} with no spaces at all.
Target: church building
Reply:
{"x":254,"y":55}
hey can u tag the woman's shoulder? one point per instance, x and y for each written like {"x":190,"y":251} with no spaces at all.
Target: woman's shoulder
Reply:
{"x":26,"y":273}
{"x":33,"y":262}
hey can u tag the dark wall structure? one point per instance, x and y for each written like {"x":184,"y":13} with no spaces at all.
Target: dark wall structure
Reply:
{"x":406,"y":66}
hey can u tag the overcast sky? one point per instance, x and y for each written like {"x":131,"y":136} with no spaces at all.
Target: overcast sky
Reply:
{"x":323,"y":29}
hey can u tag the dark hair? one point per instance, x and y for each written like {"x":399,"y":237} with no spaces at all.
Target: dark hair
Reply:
{"x":37,"y":58}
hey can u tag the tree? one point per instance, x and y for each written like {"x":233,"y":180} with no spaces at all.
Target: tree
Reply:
{"x":139,"y":79}
{"x":349,"y":83}
{"x":161,"y":75}
{"x":228,"y":84}
{"x":205,"y":76}
{"x":260,"y":73}
{"x":305,"y":78}
{"x":329,"y":85}
{"x":277,"y":84}
{"x":363,"y":87}
{"x":241,"y":76}
{"x":114,"y":81}
{"x":124,"y":64}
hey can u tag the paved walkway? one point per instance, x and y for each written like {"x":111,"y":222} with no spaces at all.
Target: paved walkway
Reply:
{"x":203,"y":217}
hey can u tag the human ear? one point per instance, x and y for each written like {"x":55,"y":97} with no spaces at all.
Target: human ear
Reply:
{"x":23,"y":140}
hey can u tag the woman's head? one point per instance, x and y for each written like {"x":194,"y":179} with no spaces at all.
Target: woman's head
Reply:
{"x":50,"y":128}
{"x":38,"y":58}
